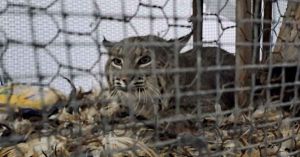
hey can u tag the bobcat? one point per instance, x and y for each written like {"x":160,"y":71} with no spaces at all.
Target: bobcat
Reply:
{"x":142,"y":70}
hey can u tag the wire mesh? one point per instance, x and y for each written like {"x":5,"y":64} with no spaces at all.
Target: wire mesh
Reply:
{"x":124,"y":78}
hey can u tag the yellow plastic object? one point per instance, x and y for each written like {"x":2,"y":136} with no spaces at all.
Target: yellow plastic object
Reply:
{"x":28,"y":96}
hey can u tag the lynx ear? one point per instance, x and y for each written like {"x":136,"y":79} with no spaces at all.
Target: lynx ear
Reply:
{"x":107,"y":44}
{"x":181,"y":42}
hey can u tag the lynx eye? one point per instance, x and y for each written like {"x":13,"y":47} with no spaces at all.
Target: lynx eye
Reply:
{"x":144,"y":60}
{"x":117,"y":61}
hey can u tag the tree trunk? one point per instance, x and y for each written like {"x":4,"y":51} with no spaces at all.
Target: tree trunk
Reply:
{"x":244,"y":41}
{"x":287,"y":45}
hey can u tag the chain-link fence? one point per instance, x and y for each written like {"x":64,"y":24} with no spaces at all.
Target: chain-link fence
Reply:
{"x":149,"y":78}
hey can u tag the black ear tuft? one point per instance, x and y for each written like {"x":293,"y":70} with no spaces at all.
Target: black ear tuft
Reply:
{"x":180,"y":41}
{"x":107,"y":44}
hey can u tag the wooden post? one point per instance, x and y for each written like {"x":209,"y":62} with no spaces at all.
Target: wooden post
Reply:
{"x":244,"y":41}
{"x":197,"y":45}
{"x":197,"y":21}
{"x":267,"y":29}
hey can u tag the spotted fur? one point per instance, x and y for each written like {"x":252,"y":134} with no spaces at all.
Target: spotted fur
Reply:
{"x":139,"y":73}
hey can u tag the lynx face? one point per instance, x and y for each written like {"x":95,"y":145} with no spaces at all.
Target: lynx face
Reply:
{"x":130,"y":71}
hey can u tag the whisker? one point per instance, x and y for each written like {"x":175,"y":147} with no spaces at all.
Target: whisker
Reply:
{"x":154,"y":89}
{"x":113,"y":92}
{"x":139,"y":97}
{"x":157,"y":93}
{"x":142,"y":108}
{"x":144,"y":96}
{"x":151,"y":87}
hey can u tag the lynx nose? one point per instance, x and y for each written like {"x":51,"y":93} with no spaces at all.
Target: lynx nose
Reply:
{"x":124,"y":79}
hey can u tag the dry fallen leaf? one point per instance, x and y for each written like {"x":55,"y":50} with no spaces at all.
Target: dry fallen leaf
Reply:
{"x":44,"y":146}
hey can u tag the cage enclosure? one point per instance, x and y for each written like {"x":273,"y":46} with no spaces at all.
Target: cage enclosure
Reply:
{"x":149,"y":78}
